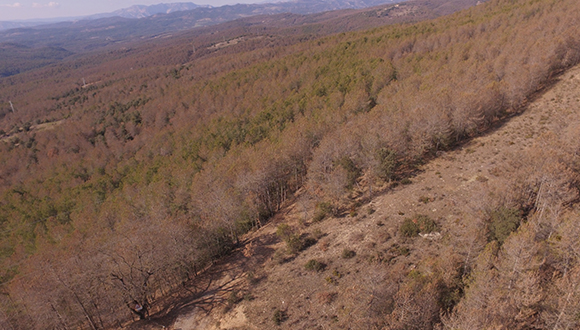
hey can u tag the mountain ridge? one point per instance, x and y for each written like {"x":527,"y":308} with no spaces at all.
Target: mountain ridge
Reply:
{"x":141,"y":11}
{"x":91,"y":35}
{"x":235,"y":11}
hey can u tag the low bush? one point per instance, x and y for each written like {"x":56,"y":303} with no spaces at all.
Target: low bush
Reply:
{"x":502,"y":222}
{"x":284,"y":231}
{"x":322,"y":210}
{"x":387,"y":164}
{"x":292,"y":239}
{"x":294,"y":244}
{"x":279,"y":316}
{"x":411,"y":227}
{"x":317,"y":234}
{"x":314,"y":264}
{"x":347,"y":254}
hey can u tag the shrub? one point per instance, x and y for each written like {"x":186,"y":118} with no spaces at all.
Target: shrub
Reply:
{"x":292,"y":239}
{"x":321,"y":211}
{"x":411,"y":227}
{"x":318,"y":217}
{"x":347,"y":254}
{"x":388,"y":164}
{"x":252,"y":279}
{"x":403,"y":250}
{"x":352,"y":171}
{"x":481,"y":178}
{"x":233,"y":298}
{"x":307,"y":242}
{"x":424,"y":199}
{"x":294,"y":244}
{"x":313,"y":264}
{"x":502,"y":222}
{"x":284,"y":231}
{"x":244,"y":225}
{"x":279,"y":316}
{"x":317,"y":234}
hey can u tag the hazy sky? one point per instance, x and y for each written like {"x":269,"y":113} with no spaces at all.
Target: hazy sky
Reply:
{"x":28,"y":9}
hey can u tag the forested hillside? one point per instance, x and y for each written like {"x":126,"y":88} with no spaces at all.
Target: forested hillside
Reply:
{"x":26,"y":49}
{"x":79,"y":35}
{"x":123,"y":187}
{"x":17,"y":58}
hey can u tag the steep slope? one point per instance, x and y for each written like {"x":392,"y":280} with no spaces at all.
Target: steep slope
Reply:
{"x":125,"y":173}
{"x":363,"y":289}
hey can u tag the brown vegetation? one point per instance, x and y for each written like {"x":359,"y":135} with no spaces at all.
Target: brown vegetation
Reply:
{"x":156,"y":170}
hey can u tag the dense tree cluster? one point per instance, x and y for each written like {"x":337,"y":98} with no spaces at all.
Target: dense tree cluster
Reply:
{"x":119,"y":189}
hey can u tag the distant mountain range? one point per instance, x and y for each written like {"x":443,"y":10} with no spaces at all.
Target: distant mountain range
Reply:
{"x":141,"y":11}
{"x":137,"y":11}
{"x":7,"y":25}
{"x":24,"y":49}
{"x":89,"y":34}
{"x":207,"y":15}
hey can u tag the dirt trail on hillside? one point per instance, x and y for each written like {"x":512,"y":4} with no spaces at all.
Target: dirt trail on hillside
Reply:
{"x":249,"y":288}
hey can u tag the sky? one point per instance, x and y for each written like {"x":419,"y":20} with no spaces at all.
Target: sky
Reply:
{"x":11,"y":10}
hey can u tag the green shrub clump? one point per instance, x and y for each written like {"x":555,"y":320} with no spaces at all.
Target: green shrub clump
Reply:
{"x":406,"y":181}
{"x":314,"y":264}
{"x":502,"y":222}
{"x":353,"y":171}
{"x":292,"y":239}
{"x":322,"y":210}
{"x":347,"y":254}
{"x":411,"y":227}
{"x":387,"y":164}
